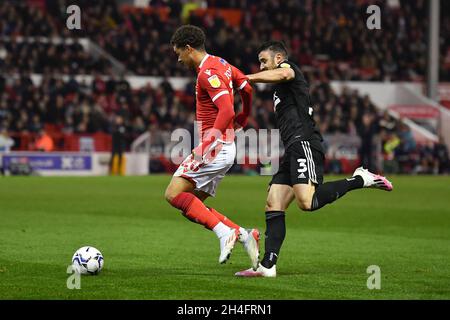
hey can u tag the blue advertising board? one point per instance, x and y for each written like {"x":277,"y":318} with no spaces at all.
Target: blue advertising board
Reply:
{"x":51,"y":162}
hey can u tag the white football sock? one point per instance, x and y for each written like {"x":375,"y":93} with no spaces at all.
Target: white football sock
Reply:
{"x":221,"y":230}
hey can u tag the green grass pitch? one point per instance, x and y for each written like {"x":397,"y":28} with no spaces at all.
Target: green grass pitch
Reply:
{"x":152,"y":252}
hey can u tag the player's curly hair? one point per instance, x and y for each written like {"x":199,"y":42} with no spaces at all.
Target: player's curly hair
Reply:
{"x":189,"y":35}
{"x":275,"y":47}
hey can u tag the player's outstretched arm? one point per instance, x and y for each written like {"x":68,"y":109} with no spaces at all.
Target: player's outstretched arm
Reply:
{"x":246,"y":96}
{"x":241,"y":84}
{"x":246,"y":93}
{"x":272,"y":76}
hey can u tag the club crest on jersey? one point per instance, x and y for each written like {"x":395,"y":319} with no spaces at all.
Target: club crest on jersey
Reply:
{"x":214,"y":81}
{"x":208,"y":72}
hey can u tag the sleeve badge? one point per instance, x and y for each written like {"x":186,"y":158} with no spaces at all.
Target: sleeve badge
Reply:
{"x":214,"y":81}
{"x":285,"y":65}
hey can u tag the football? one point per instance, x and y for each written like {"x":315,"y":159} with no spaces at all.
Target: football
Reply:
{"x":88,"y":260}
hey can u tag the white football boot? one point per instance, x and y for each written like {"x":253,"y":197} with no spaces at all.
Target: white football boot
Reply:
{"x":227,"y":244}
{"x":260,"y":272}
{"x":372,"y":180}
{"x":251,"y":245}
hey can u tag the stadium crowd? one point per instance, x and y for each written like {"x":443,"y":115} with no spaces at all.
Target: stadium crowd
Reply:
{"x":335,"y":41}
{"x":39,"y":57}
{"x":75,"y":107}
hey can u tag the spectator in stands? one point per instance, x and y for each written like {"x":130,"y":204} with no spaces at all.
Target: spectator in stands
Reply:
{"x":406,"y":137}
{"x":43,"y":142}
{"x":441,"y":155}
{"x":367,"y":131}
{"x":390,"y":143}
{"x":423,"y":160}
{"x":407,"y":146}
{"x":5,"y":141}
{"x":5,"y":145}
{"x":386,"y":122}
{"x":117,"y":161}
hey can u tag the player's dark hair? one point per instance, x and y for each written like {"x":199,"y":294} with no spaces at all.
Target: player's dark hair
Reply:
{"x":189,"y":35}
{"x":275,"y":47}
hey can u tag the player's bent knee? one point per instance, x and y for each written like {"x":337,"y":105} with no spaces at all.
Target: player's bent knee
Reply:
{"x":273,"y":206}
{"x":170,"y":195}
{"x":304,"y":204}
{"x":303,"y":196}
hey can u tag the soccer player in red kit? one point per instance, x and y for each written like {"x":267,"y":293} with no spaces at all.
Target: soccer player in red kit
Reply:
{"x":200,"y":173}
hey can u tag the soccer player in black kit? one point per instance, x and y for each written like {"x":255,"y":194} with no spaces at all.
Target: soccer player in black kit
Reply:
{"x":300,"y":175}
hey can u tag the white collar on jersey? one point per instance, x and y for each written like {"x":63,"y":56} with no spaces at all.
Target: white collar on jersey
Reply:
{"x":203,"y":60}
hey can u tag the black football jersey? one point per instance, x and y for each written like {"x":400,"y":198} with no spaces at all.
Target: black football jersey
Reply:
{"x":293,"y":108}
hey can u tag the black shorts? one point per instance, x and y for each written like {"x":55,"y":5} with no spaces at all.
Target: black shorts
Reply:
{"x":303,"y":161}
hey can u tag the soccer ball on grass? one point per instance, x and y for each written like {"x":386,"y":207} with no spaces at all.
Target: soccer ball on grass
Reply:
{"x":88,"y":260}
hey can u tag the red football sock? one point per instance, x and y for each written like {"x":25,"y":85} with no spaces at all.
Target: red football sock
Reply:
{"x":195,"y":210}
{"x":224,"y":219}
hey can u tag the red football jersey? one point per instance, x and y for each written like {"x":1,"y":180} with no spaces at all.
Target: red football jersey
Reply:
{"x":215,"y":78}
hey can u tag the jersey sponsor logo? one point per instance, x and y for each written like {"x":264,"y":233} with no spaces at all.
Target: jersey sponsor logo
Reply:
{"x":285,"y":65}
{"x":208,"y":72}
{"x":276,"y":101}
{"x":214,"y":81}
{"x":228,"y":73}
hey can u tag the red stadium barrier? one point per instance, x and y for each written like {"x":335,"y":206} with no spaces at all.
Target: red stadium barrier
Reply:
{"x":102,"y":141}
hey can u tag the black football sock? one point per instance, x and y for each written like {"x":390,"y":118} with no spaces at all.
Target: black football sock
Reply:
{"x":275,"y":233}
{"x":331,"y":191}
